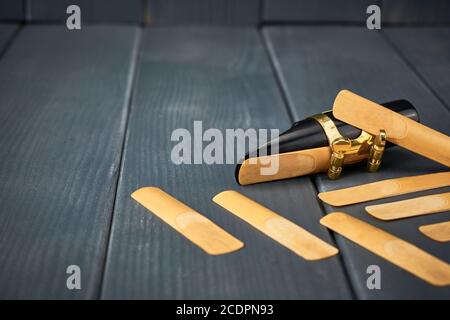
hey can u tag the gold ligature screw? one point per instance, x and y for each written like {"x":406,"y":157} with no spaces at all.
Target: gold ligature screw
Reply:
{"x":338,"y":147}
{"x":376,"y":152}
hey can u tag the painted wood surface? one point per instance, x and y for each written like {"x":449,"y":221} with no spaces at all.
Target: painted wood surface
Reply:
{"x":12,"y":10}
{"x":416,"y":11}
{"x":7,"y":32}
{"x":63,"y":104}
{"x":364,"y":62}
{"x":203,"y":12}
{"x":316,"y":11}
{"x":229,"y":12}
{"x":427,"y":52}
{"x":64,"y":111}
{"x":223,"y":77}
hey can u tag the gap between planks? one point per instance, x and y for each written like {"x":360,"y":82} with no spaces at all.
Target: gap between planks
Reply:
{"x":131,"y":81}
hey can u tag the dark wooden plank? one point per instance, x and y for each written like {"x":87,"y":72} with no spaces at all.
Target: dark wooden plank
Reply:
{"x":203,"y":12}
{"x":6,"y":33}
{"x":416,"y":11}
{"x":318,"y":10}
{"x":428,"y":51}
{"x":314,"y":64}
{"x":109,"y":11}
{"x":63,"y":103}
{"x":221,"y":76}
{"x":12,"y":10}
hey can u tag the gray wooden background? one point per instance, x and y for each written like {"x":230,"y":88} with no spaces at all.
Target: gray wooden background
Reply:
{"x":86,"y":118}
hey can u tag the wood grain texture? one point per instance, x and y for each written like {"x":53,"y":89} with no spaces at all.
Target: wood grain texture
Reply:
{"x":362,"y":64}
{"x":92,"y":11}
{"x":385,"y":188}
{"x":437,"y":231}
{"x":318,"y":10}
{"x":416,"y":11}
{"x":203,"y":12}
{"x":63,"y":102}
{"x":290,"y":164}
{"x":401,"y":253}
{"x":373,"y":117}
{"x":191,"y":224}
{"x":428,"y":50}
{"x":12,"y":10}
{"x":411,"y":207}
{"x":221,"y":76}
{"x":280,"y":229}
{"x":362,"y":61}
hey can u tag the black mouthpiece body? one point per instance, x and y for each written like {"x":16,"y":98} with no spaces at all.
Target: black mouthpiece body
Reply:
{"x":309,"y":134}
